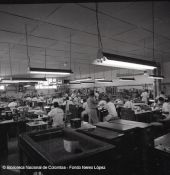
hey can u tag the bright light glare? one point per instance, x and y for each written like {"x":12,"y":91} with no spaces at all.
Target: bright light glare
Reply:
{"x":121,"y":64}
{"x":40,"y":86}
{"x":55,"y":73}
{"x":83,"y":79}
{"x":158,"y":78}
{"x":98,"y":79}
{"x":2,"y":87}
{"x":19,"y":81}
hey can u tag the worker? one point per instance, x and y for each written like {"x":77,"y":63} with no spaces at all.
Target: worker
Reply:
{"x":128,"y":103}
{"x":92,"y":108}
{"x":85,"y":109}
{"x":145,"y":96}
{"x":12,"y":105}
{"x":57,"y":115}
{"x":112,"y":113}
{"x":166,"y":108}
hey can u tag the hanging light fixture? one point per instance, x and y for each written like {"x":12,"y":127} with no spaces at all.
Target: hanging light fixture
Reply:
{"x":113,"y":60}
{"x":104,"y":81}
{"x":158,"y":77}
{"x":75,"y":83}
{"x":22,"y":80}
{"x":87,"y":82}
{"x":126,"y":79}
{"x":155,"y":76}
{"x":99,"y":79}
{"x":81,"y":79}
{"x":34,"y":70}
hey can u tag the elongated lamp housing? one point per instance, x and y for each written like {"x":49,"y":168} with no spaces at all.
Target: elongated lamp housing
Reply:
{"x":113,"y":60}
{"x":159,"y":77}
{"x":50,"y":71}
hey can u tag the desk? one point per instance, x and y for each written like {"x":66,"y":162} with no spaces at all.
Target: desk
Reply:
{"x":47,"y":148}
{"x":36,"y":125}
{"x":161,"y":155}
{"x":4,"y":129}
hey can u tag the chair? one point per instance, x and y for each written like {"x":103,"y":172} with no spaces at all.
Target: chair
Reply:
{"x":74,"y":111}
{"x":127,"y":114}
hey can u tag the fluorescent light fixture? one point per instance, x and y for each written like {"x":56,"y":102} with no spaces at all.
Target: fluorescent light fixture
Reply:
{"x":126,"y":79}
{"x":2,"y":87}
{"x":88,"y":82}
{"x":99,"y":79}
{"x":22,"y":80}
{"x":49,"y":71}
{"x":28,"y":85}
{"x":104,"y":81}
{"x":39,"y":86}
{"x":74,"y":83}
{"x":113,"y":60}
{"x":81,"y":79}
{"x":159,"y":77}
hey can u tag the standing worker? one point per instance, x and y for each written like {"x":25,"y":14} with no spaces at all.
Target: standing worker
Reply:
{"x":92,"y":108}
{"x":145,"y":96}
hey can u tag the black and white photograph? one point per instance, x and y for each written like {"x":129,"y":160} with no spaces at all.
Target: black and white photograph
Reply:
{"x":85,"y":87}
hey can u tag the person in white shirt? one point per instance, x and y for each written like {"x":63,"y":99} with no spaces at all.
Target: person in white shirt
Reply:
{"x":55,"y":99}
{"x":102,"y":104}
{"x":128,"y":103}
{"x":166,"y":108}
{"x":112,"y":113}
{"x":57,"y":115}
{"x":145,"y":96}
{"x":13,"y":104}
{"x":86,"y":109}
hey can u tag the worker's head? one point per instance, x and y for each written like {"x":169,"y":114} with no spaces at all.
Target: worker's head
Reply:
{"x":162,"y":92}
{"x":56,"y":104}
{"x":161,"y":100}
{"x":126,"y":98}
{"x":108,"y":99}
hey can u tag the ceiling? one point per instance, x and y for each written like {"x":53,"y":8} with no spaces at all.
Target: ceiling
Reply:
{"x":126,"y":29}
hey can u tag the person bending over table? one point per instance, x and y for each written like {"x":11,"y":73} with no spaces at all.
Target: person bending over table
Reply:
{"x":57,"y":115}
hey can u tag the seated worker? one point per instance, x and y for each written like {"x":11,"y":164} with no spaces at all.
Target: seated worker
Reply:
{"x":128,"y":103}
{"x":57,"y":115}
{"x":12,"y":105}
{"x":112,"y":113}
{"x":166,"y":108}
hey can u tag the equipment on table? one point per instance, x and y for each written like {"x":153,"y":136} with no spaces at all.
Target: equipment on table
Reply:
{"x":75,"y":123}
